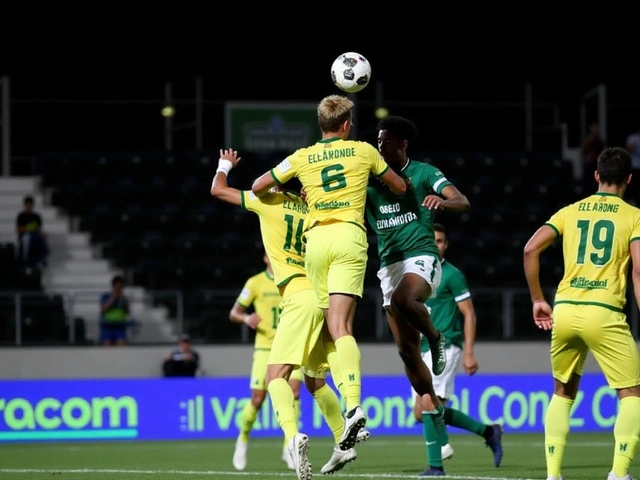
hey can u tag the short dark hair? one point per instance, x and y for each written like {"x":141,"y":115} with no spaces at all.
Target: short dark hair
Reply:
{"x":401,"y":127}
{"x":614,"y":166}
{"x":28,"y":199}
{"x":438,"y":227}
{"x":117,"y":279}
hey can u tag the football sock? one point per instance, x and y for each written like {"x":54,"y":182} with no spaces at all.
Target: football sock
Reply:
{"x":458,"y":419}
{"x":349,"y":360}
{"x":249,"y":414}
{"x":626,"y":432}
{"x":330,"y":407}
{"x":296,"y":408}
{"x":430,"y":434}
{"x":556,"y":431}
{"x":282,"y":400}
{"x":334,"y":368}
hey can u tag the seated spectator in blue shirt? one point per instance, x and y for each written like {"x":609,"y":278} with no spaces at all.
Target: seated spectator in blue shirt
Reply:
{"x":183,"y":361}
{"x":114,"y":319}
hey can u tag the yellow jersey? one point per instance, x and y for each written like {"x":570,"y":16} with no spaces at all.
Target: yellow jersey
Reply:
{"x":261,"y":292}
{"x":335,"y":174}
{"x":596,"y":235}
{"x":282,"y":217}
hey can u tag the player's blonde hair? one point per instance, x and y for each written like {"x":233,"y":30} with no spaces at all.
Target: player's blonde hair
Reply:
{"x":333,"y":111}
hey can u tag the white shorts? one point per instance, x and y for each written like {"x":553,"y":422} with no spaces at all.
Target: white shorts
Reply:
{"x":427,"y":266}
{"x":444,"y":383}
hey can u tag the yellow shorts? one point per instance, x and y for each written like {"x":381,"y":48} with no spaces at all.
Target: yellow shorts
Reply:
{"x":318,"y":366}
{"x":336,"y":260}
{"x":299,"y":330}
{"x":259,"y":370}
{"x":580,"y":329}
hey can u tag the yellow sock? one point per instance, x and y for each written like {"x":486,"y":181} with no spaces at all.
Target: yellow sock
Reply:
{"x":334,"y":366}
{"x":282,"y":401}
{"x":249,"y":414}
{"x":329,"y":405}
{"x":556,"y":431}
{"x":626,"y":432}
{"x":349,"y":360}
{"x":296,"y":408}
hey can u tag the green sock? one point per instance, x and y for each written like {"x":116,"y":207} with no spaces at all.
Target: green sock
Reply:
{"x":434,"y":449}
{"x":456,"y":418}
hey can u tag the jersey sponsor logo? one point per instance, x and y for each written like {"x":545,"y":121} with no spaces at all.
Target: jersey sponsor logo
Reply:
{"x":396,"y":221}
{"x":293,"y":261}
{"x":284,"y":166}
{"x":331,"y":205}
{"x":585,"y":283}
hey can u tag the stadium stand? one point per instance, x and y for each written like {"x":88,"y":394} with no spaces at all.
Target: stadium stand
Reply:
{"x":153,"y":217}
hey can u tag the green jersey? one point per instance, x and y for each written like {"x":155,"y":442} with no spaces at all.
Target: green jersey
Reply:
{"x":445,"y":313}
{"x":403,"y":226}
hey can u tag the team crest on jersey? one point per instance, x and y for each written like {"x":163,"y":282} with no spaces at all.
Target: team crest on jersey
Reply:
{"x":284,"y":166}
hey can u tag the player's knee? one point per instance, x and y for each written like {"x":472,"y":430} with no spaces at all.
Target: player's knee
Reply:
{"x":629,"y":392}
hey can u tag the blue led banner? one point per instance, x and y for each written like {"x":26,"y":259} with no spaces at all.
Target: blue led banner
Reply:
{"x":182,"y":409}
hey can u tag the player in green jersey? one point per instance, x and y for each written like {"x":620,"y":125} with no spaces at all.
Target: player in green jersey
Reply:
{"x":454,"y":316}
{"x":410,"y":269}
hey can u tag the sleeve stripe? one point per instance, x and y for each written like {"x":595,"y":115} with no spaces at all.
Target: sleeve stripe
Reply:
{"x":242,"y":203}
{"x":462,"y":297}
{"x":555,"y":229}
{"x":438,"y":183}
{"x":274,"y":176}
{"x":386,"y":169}
{"x":242,"y":304}
{"x":634,"y":239}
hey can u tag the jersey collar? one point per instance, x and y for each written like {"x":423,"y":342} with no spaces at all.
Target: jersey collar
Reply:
{"x":269,"y":276}
{"x":327,"y":140}
{"x":442,"y":260}
{"x":406,"y":165}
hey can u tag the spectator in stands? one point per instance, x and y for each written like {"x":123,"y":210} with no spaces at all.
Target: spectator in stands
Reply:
{"x":183,"y":361}
{"x":32,"y":243}
{"x":114,"y":318}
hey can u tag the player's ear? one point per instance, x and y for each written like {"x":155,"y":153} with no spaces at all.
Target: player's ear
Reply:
{"x":596,"y":175}
{"x":405,"y":144}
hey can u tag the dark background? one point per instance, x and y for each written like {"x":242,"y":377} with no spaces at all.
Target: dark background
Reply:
{"x":53,"y":84}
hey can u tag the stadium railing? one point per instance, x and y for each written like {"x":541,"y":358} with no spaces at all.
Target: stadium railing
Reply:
{"x":72,"y":317}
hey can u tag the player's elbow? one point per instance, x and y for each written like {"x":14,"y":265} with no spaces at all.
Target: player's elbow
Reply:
{"x":530,"y":250}
{"x":399,"y":188}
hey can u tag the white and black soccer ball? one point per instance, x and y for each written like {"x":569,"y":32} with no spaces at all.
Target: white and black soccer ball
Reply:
{"x":351,"y":72}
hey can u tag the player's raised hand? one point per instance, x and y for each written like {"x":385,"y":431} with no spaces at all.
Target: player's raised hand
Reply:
{"x":303,"y":194}
{"x":433,"y":202}
{"x":252,"y":321}
{"x":543,"y":315}
{"x":231,"y":155}
{"x":470,"y":363}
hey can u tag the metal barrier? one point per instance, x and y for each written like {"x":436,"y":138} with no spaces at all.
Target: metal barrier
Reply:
{"x":502,"y":314}
{"x":55,"y":311}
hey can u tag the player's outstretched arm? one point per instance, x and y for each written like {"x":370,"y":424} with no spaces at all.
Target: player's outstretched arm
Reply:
{"x":220,"y":188}
{"x":635,"y":269}
{"x":538,"y":243}
{"x":394,"y":181}
{"x":263,"y":184}
{"x":453,"y":200}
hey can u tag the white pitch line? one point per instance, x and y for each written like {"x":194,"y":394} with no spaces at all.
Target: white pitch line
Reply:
{"x":238,"y":474}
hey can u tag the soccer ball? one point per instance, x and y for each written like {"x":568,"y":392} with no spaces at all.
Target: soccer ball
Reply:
{"x":351,"y":72}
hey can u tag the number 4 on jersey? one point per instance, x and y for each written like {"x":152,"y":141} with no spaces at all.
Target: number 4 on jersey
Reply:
{"x":289,"y":240}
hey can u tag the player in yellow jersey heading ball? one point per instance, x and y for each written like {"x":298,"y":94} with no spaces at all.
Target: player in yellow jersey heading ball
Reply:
{"x":600,"y":234}
{"x":299,"y":340}
{"x":335,"y":173}
{"x":261,"y":293}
